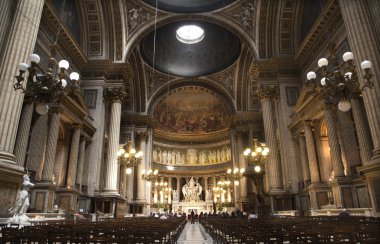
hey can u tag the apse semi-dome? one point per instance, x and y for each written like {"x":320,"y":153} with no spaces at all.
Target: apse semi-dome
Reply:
{"x":216,"y":49}
{"x":191,"y":111}
{"x":189,"y":6}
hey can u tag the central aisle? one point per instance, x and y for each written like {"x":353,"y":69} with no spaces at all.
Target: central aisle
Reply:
{"x":195,"y":234}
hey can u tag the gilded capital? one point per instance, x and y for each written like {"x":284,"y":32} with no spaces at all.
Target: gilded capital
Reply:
{"x":114,"y":94}
{"x":268,"y":92}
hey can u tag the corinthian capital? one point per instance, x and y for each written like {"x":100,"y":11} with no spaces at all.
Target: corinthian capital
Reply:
{"x":268,"y":92}
{"x":114,"y":94}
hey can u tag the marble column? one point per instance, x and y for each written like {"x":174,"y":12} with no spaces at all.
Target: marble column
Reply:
{"x":242,"y":164}
{"x":214,"y":185}
{"x":23,"y":133}
{"x":311,"y":154}
{"x":206,"y":188}
{"x":363,"y":40}
{"x":115,"y":97}
{"x":130,"y":186}
{"x":365,"y":144}
{"x":21,"y":41}
{"x":51,"y":146}
{"x":141,"y":185}
{"x":332,"y":134}
{"x":273,"y":166}
{"x":179,"y":189}
{"x":79,"y":176}
{"x":95,"y":150}
{"x":304,"y":161}
{"x":73,"y":157}
{"x":170,"y":188}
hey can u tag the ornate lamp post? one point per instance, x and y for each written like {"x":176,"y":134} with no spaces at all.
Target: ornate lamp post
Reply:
{"x":235,"y":175}
{"x":339,"y":86}
{"x":256,"y":158}
{"x":46,"y":87}
{"x":128,"y":157}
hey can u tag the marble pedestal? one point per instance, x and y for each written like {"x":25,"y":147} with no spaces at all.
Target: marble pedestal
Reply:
{"x":319,"y":195}
{"x":10,"y":181}
{"x":42,"y":197}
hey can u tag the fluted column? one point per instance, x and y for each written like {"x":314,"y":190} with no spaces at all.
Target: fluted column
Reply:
{"x":73,"y":157}
{"x":363,"y":39}
{"x":21,"y":41}
{"x":170,"y":187}
{"x":304,"y":161}
{"x":178,"y":189}
{"x":82,"y":149}
{"x":214,"y":185}
{"x":332,"y":135}
{"x":206,"y":188}
{"x":141,"y":186}
{"x":51,"y":146}
{"x":311,"y":154}
{"x":365,"y":144}
{"x":23,"y":133}
{"x":242,"y":164}
{"x":115,"y":97}
{"x":273,"y":169}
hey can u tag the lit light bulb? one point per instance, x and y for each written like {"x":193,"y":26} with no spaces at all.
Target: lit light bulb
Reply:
{"x":128,"y":171}
{"x":347,"y":56}
{"x":63,"y":64}
{"x":257,"y":168}
{"x":323,"y":62}
{"x":132,"y":151}
{"x":74,"y":76}
{"x":229,"y":171}
{"x":34,"y":58}
{"x":366,"y":64}
{"x":323,"y":81}
{"x":311,"y":75}
{"x":23,"y":66}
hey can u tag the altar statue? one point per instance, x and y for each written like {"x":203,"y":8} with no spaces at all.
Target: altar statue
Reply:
{"x":175,"y":195}
{"x":22,"y":203}
{"x":191,"y":191}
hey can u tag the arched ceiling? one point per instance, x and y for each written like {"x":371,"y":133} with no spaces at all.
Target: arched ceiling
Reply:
{"x":188,"y":6}
{"x":218,"y":50}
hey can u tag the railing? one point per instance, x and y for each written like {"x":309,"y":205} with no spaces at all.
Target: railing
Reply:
{"x":367,"y":212}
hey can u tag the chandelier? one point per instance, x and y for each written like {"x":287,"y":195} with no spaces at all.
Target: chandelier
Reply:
{"x":257,"y":156}
{"x":46,"y":87}
{"x":128,"y":157}
{"x":338,"y":86}
{"x":149,"y":174}
{"x":235,"y":175}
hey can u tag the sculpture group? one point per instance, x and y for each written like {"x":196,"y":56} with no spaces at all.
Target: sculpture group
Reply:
{"x":192,"y":191}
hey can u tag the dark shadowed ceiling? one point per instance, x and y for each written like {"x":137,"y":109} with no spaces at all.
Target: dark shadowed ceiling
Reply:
{"x":218,"y":50}
{"x":189,"y":6}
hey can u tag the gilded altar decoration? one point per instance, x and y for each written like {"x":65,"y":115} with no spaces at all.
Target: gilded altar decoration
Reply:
{"x":191,"y":112}
{"x":192,"y":191}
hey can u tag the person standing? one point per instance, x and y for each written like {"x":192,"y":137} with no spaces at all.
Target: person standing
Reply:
{"x":192,"y":216}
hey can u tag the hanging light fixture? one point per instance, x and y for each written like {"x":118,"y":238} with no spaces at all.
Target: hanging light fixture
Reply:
{"x":257,"y":156}
{"x":338,"y":87}
{"x":128,"y":157}
{"x":42,"y":87}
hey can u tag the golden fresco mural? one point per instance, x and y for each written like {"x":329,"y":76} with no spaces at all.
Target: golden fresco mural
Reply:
{"x":191,"y":112}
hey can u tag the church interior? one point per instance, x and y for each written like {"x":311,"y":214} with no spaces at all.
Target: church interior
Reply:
{"x":255,"y":119}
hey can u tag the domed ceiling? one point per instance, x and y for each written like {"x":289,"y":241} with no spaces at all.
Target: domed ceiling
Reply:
{"x":218,"y":50}
{"x":191,"y":111}
{"x":189,"y":6}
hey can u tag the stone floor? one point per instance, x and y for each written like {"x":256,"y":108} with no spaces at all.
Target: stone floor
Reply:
{"x":194,"y":234}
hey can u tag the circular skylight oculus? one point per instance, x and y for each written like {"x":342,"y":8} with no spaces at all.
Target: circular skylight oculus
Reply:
{"x":190,"y":34}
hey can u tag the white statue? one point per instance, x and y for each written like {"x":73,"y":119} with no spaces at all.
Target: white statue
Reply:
{"x":191,"y":191}
{"x":22,"y":203}
{"x":175,"y":195}
{"x":155,"y":155}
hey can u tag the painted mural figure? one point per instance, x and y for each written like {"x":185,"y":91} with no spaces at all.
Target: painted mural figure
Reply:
{"x":22,"y":203}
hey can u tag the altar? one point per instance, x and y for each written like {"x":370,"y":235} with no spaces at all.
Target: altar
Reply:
{"x":186,"y":207}
{"x":192,"y":192}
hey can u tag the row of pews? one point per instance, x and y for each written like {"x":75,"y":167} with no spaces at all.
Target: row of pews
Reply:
{"x":293,"y":230}
{"x":129,"y":230}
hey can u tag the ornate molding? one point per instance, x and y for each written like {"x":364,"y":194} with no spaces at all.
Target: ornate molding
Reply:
{"x":268,"y":92}
{"x":115,"y":94}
